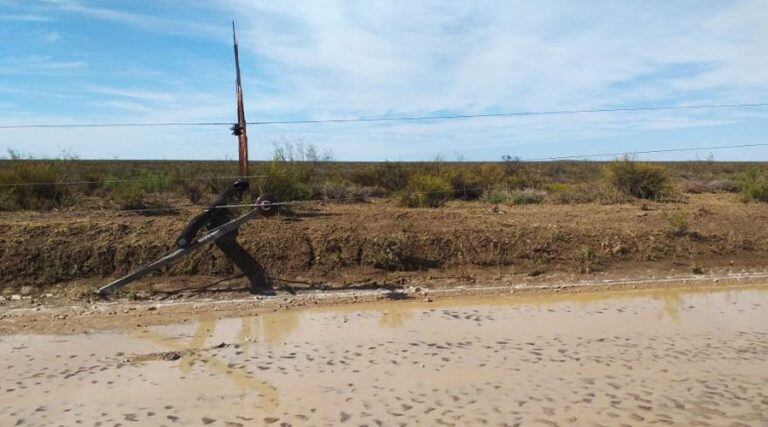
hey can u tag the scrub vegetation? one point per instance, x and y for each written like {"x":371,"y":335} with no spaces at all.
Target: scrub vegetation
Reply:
{"x":300,"y":171}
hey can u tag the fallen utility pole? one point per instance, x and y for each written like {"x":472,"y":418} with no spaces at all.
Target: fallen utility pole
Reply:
{"x":176,"y":255}
{"x":217,"y":219}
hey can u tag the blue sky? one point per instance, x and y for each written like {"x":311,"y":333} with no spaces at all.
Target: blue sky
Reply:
{"x":76,"y":61}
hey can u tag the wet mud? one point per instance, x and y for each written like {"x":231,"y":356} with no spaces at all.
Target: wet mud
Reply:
{"x":669,"y":356}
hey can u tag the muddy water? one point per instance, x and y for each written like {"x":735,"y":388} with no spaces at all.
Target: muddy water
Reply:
{"x":634,"y":358}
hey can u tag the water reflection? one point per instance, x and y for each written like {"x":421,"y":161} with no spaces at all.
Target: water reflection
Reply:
{"x":274,"y":328}
{"x":396,"y":317}
{"x":195,"y":354}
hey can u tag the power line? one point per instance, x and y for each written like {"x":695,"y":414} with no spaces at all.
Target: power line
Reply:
{"x":111,"y":125}
{"x":512,"y":114}
{"x":392,"y":119}
{"x":668,"y":150}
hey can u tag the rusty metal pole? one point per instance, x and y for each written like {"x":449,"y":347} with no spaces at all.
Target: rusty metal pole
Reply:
{"x":239,"y":128}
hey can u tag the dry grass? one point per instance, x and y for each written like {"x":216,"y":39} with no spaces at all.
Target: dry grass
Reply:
{"x":300,"y":172}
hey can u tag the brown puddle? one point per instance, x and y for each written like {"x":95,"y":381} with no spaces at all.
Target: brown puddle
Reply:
{"x":682,"y":357}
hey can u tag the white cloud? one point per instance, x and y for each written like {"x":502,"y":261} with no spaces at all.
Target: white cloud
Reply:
{"x":397,"y":57}
{"x":142,"y":20}
{"x":337,"y":58}
{"x":36,"y":64}
{"x":26,"y":17}
{"x":52,"y":36}
{"x":144,"y":95}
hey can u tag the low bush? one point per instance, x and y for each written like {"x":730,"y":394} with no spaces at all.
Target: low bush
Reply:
{"x":134,"y":196}
{"x":495,"y":196}
{"x":526,"y":197}
{"x":469,"y":182}
{"x":714,"y":186}
{"x":695,"y":187}
{"x":346,"y":192}
{"x":588,"y":260}
{"x":129,"y":196}
{"x":391,"y":253}
{"x":40,"y":186}
{"x":640,"y":180}
{"x":723,"y":186}
{"x":425,"y":191}
{"x":678,"y":223}
{"x":754,"y":185}
{"x":286,"y":181}
{"x":390,"y":176}
{"x":292,"y":173}
{"x":597,"y":192}
{"x":193,"y":190}
{"x":513,"y":197}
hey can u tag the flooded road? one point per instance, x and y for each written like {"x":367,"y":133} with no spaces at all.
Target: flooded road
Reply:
{"x":624,"y":358}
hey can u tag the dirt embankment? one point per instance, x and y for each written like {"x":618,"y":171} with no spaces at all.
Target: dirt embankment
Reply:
{"x":376,"y":242}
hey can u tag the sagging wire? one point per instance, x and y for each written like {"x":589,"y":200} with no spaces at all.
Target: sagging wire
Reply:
{"x":396,"y":119}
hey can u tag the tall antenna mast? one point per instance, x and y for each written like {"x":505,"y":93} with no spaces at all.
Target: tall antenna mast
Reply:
{"x":238,"y":129}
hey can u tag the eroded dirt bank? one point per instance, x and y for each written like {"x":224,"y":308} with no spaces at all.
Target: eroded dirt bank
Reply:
{"x":379,"y":244}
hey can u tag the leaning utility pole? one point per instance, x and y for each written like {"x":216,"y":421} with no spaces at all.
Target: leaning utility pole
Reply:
{"x":238,"y":129}
{"x":217,"y":219}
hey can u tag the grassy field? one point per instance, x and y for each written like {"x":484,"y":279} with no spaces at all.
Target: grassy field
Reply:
{"x":28,"y":184}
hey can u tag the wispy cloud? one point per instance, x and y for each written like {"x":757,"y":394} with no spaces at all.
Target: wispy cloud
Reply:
{"x":434,"y":56}
{"x":26,"y":17}
{"x":146,"y":21}
{"x":52,"y":36}
{"x":343,"y":58}
{"x":144,"y":95}
{"x":37,"y":64}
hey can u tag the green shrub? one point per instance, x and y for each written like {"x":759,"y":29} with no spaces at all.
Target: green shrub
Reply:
{"x":345,"y":191}
{"x":470,"y":181}
{"x":640,"y":180}
{"x":425,"y":190}
{"x":391,"y":176}
{"x":526,"y":197}
{"x":286,"y":181}
{"x":146,"y":181}
{"x":513,"y":197}
{"x":588,"y":260}
{"x":391,"y":253}
{"x":495,"y":196}
{"x":154,"y":182}
{"x":193,"y":190}
{"x":291,"y":175}
{"x":129,"y":196}
{"x":678,"y":223}
{"x":40,"y":187}
{"x":591,"y":192}
{"x":135,"y":196}
{"x":754,"y":185}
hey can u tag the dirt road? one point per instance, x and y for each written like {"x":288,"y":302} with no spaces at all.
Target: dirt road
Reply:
{"x":626,"y":357}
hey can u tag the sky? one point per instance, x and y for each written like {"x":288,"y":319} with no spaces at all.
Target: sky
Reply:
{"x":79,"y":61}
